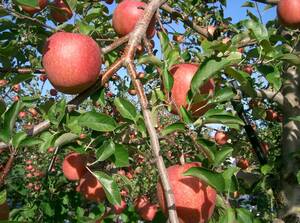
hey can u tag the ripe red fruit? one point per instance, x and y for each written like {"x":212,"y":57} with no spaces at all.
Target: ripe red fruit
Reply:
{"x":288,"y":13}
{"x":91,"y":188}
{"x":132,"y":92}
{"x":221,"y":138}
{"x":32,"y":111}
{"x":43,"y":77}
{"x":71,"y":61}
{"x":29,"y":167}
{"x":28,"y":162}
{"x":3,"y":82}
{"x":73,"y":166}
{"x":31,"y":10}
{"x":241,"y":50}
{"x":182,"y":75}
{"x":141,"y":202}
{"x":271,"y":115}
{"x":148,"y":212}
{"x":243,"y":163}
{"x":4,"y":211}
{"x":126,"y":15}
{"x":22,"y":114}
{"x":51,"y":149}
{"x":248,"y":69}
{"x":62,"y":11}
{"x":30,"y":185}
{"x":109,"y":1}
{"x":178,"y":38}
{"x":118,"y":209}
{"x":16,"y":88}
{"x":53,"y":92}
{"x":194,"y":200}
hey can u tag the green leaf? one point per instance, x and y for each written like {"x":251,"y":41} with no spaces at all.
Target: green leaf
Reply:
{"x":18,"y":138}
{"x":65,"y":139}
{"x":57,"y":112}
{"x":2,"y":106}
{"x":208,"y":69}
{"x":213,"y":179}
{"x":126,"y":109}
{"x":147,"y":59}
{"x":121,"y":156}
{"x":243,"y":215}
{"x":265,"y":169}
{"x":187,"y":118}
{"x":165,"y":44}
{"x":258,"y":29}
{"x":296,"y":118}
{"x":208,"y":147}
{"x":175,"y":127}
{"x":47,"y":209}
{"x":228,"y":217}
{"x":97,"y":121}
{"x":110,"y":187}
{"x":291,"y":58}
{"x":231,"y":183}
{"x":167,"y":79}
{"x":10,"y":117}
{"x":31,"y":3}
{"x":105,"y":151}
{"x":222,"y":95}
{"x":3,"y":197}
{"x":221,"y":155}
{"x":221,"y":117}
{"x":30,"y":142}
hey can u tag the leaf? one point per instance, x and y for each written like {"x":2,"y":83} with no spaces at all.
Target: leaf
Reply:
{"x":228,"y":217}
{"x":258,"y":29}
{"x":208,"y":146}
{"x":57,"y":112}
{"x":126,"y":109}
{"x":221,"y":155}
{"x":296,"y":118}
{"x":221,"y":117}
{"x":167,"y":79}
{"x":187,"y":118}
{"x":213,"y":179}
{"x":31,"y":142}
{"x":110,"y":187}
{"x":105,"y":151}
{"x":30,"y":3}
{"x":147,"y":59}
{"x":65,"y":139}
{"x":231,"y":183}
{"x":10,"y":117}
{"x":243,"y":215}
{"x":291,"y":58}
{"x":2,"y":106}
{"x":97,"y":121}
{"x":3,"y":195}
{"x":175,"y":127}
{"x":165,"y":44}
{"x":221,"y":95}
{"x":121,"y":156}
{"x":210,"y":68}
{"x":18,"y":138}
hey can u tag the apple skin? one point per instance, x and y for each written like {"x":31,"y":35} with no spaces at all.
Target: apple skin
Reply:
{"x":62,"y":13}
{"x":118,"y":209}
{"x":271,"y":115}
{"x":72,"y":62}
{"x":4,"y":211}
{"x":73,"y":166}
{"x":126,"y":15}
{"x":90,"y":188}
{"x":194,"y":200}
{"x":288,"y":13}
{"x":183,"y":75}
{"x":32,"y":10}
{"x":145,"y":209}
{"x":243,"y":163}
{"x":221,"y":138}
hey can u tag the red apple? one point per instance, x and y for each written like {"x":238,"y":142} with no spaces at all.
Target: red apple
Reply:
{"x":43,"y":77}
{"x":194,"y":200}
{"x":126,"y":15}
{"x":73,"y":166}
{"x":51,"y":149}
{"x":221,"y":138}
{"x":53,"y":92}
{"x":22,"y":114}
{"x":288,"y":13}
{"x":4,"y":211}
{"x":29,"y":167}
{"x":132,"y":92}
{"x":178,"y":38}
{"x":33,"y":112}
{"x":3,"y":82}
{"x":148,"y":212}
{"x":72,"y":61}
{"x":271,"y":115}
{"x":109,"y":1}
{"x":16,"y":88}
{"x":248,"y":69}
{"x":62,"y":11}
{"x":118,"y":209}
{"x":182,"y":75}
{"x":243,"y":163}
{"x":90,"y":188}
{"x":31,"y":10}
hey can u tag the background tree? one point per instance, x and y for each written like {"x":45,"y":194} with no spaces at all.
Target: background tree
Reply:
{"x":214,"y":101}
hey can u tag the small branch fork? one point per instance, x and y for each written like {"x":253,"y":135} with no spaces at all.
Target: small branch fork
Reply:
{"x":8,"y":166}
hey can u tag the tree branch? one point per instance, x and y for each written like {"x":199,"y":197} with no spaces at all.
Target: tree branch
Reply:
{"x":270,"y":2}
{"x":271,"y":95}
{"x":7,"y":167}
{"x":23,"y":70}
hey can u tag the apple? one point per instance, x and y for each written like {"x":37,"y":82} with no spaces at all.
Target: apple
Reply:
{"x":271,"y":115}
{"x":221,"y":138}
{"x":22,"y":114}
{"x":243,"y":163}
{"x":53,"y":92}
{"x":141,"y":75}
{"x":211,"y":30}
{"x":73,"y":166}
{"x":28,"y":162}
{"x":132,"y":92}
{"x":241,"y":50}
{"x":33,"y":112}
{"x":109,"y":1}
{"x":3,"y":82}
{"x":127,"y":14}
{"x":141,"y":202}
{"x":71,"y":61}
{"x":118,"y":209}
{"x":248,"y":69}
{"x":4,"y":211}
{"x":16,"y":88}
{"x":178,"y":38}
{"x":182,"y":75}
{"x":32,"y":10}
{"x":29,"y":167}
{"x":90,"y":188}
{"x":148,"y":212}
{"x":43,"y":77}
{"x":30,"y":185}
{"x":61,"y":12}
{"x":288,"y":13}
{"x":51,"y":149}
{"x":194,"y":200}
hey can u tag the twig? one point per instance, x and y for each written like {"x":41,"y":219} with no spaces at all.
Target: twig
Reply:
{"x":23,"y":70}
{"x":115,"y":44}
{"x":7,"y":167}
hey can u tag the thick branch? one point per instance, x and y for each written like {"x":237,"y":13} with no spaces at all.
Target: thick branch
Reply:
{"x":271,"y":95}
{"x":115,"y":44}
{"x":7,"y":168}
{"x":134,"y":40}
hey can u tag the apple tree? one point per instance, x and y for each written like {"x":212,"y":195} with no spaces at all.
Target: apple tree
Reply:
{"x":153,"y":111}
